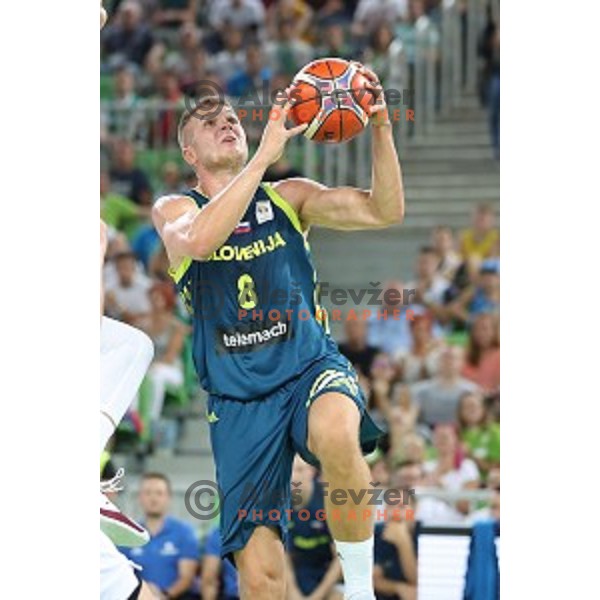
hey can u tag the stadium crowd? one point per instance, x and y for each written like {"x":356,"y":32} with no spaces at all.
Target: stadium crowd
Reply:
{"x":432,"y":381}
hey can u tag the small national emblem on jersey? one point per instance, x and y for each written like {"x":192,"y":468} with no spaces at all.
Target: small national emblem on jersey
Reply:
{"x":243,"y":227}
{"x":264,"y":211}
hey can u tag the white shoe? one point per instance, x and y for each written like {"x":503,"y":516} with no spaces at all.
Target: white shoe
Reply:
{"x":121,"y":530}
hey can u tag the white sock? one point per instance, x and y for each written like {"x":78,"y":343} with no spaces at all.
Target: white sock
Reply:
{"x":125,"y":355}
{"x":356,"y":559}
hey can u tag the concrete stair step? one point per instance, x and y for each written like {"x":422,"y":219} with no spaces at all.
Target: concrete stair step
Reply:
{"x":468,"y":101}
{"x":454,"y":139}
{"x":454,"y":208}
{"x":465,"y":167}
{"x":186,"y":468}
{"x":422,"y":195}
{"x":456,"y":127}
{"x":466,"y":113}
{"x":354,"y":259}
{"x":451,"y":180}
{"x":451,"y":154}
{"x":426,"y":223}
{"x":196,"y":435}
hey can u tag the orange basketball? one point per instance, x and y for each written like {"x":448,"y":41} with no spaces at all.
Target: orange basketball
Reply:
{"x":329,"y":95}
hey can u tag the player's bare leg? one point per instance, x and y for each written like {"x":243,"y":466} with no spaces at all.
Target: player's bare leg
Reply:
{"x":146,"y":593}
{"x":125,"y":355}
{"x":261,"y":566}
{"x":333,"y":424}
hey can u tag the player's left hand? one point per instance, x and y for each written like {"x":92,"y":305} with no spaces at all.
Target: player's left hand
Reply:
{"x":374,"y":86}
{"x":276,"y":134}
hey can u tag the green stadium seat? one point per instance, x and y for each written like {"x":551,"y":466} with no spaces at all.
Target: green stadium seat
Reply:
{"x":107,"y":88}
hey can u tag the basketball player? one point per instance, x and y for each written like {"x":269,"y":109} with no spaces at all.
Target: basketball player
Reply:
{"x":238,"y":251}
{"x":125,"y":355}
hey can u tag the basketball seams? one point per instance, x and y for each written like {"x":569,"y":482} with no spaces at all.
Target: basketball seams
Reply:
{"x":320,"y":84}
{"x":337,"y":100}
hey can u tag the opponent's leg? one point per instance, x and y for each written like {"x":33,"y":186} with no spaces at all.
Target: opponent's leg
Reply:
{"x":125,"y":355}
{"x":117,"y":577}
{"x":261,"y":566}
{"x":333,"y":437}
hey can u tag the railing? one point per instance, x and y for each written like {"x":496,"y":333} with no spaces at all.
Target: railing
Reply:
{"x":445,"y":66}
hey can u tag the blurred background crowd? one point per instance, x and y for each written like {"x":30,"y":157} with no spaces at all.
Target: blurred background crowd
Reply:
{"x":432,"y":380}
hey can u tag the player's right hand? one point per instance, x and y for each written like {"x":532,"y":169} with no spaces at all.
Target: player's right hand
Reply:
{"x":276,"y":134}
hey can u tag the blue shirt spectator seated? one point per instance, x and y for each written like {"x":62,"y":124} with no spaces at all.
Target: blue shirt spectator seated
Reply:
{"x":169,"y":561}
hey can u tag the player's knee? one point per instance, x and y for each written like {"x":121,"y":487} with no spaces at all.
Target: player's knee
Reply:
{"x":338,"y":452}
{"x":146,"y":593}
{"x":336,"y":446}
{"x":333,"y":430}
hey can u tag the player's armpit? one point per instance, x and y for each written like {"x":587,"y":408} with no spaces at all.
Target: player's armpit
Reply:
{"x":343,"y":208}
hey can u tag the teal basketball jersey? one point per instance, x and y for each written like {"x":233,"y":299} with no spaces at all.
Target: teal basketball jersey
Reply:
{"x":257,"y":321}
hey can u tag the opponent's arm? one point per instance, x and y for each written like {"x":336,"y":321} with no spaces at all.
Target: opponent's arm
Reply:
{"x":349,"y":208}
{"x":186,"y":569}
{"x":187,"y":231}
{"x":331,"y":577}
{"x":211,"y":570}
{"x":292,"y":590}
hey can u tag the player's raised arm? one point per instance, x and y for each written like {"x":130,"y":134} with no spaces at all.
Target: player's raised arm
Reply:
{"x":215,"y":147}
{"x":351,"y":208}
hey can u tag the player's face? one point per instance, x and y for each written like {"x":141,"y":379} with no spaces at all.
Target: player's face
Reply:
{"x":483,"y":331}
{"x":414,"y":448}
{"x":495,"y":506}
{"x":421,"y":330}
{"x":217,"y":141}
{"x":427,"y":264}
{"x":442,"y":240}
{"x":154,"y":497}
{"x":408,"y":477}
{"x":444,"y":439}
{"x":452,"y":362}
{"x":493,"y":479}
{"x":392,"y":294}
{"x":489,"y":282}
{"x":356,"y":331}
{"x":484,"y":220}
{"x":380,"y":473}
{"x":382,"y":367}
{"x":157,"y":300}
{"x":126,"y":270}
{"x":472,"y":409}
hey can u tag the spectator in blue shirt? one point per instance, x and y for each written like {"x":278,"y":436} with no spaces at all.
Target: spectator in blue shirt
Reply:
{"x":127,"y":179}
{"x":250,"y":81}
{"x":314,"y":570}
{"x":169,"y":560}
{"x":388,"y":327}
{"x":395,"y":549}
{"x":219,"y":576}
